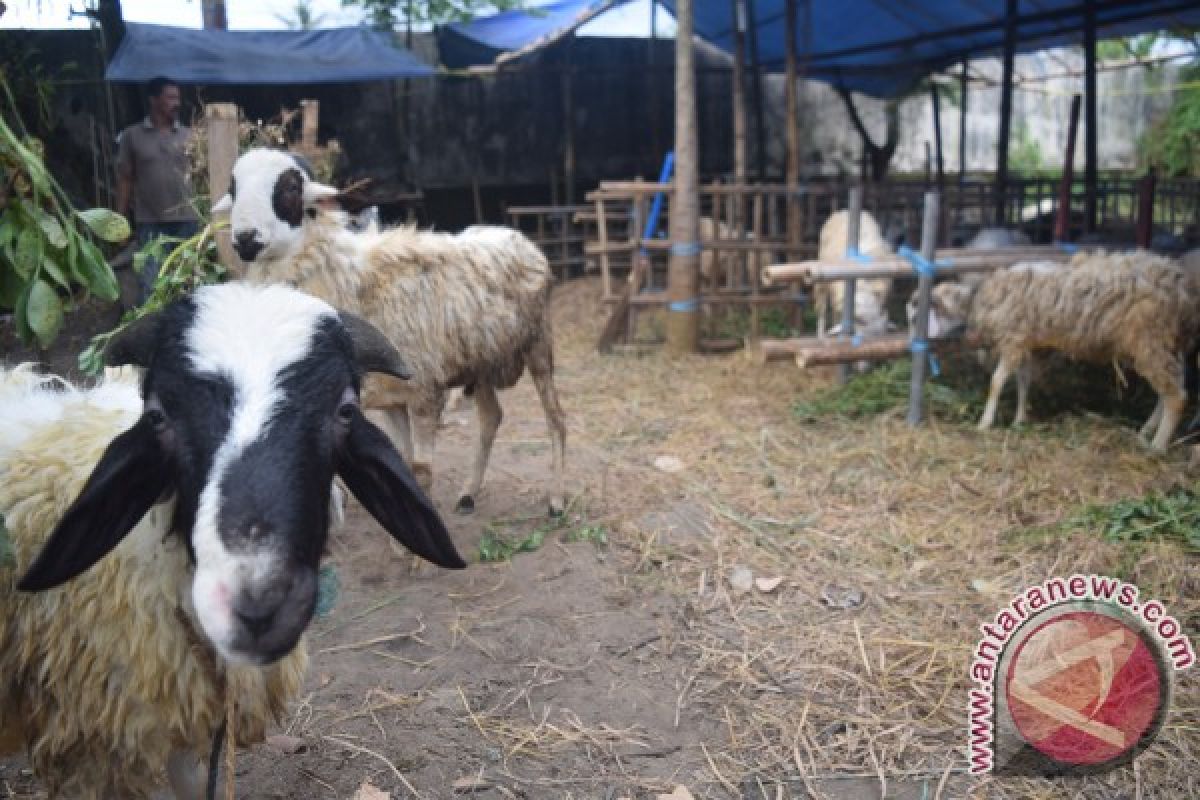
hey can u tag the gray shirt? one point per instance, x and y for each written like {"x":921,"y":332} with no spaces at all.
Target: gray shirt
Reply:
{"x":156,"y":162}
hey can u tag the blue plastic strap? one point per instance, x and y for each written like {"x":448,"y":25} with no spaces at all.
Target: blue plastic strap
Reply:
{"x":684,"y":249}
{"x":853,"y":254}
{"x":920,"y":264}
{"x":919,"y":346}
{"x":684,"y":306}
{"x":1067,"y":247}
{"x":856,"y":340}
{"x":657,"y":204}
{"x":935,"y":366}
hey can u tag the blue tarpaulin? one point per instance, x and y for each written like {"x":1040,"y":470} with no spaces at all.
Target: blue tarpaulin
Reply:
{"x":883,"y":47}
{"x":462,"y":44}
{"x":212,"y":57}
{"x":880,"y":47}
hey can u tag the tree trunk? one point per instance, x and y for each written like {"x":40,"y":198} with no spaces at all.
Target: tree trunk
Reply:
{"x":879,"y":156}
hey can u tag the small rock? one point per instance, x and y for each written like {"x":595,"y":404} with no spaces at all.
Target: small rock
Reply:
{"x":767,"y":585}
{"x":841,"y":597}
{"x":287,"y":745}
{"x":741,"y":579}
{"x":368,"y":792}
{"x":470,"y":785}
{"x":680,"y":793}
{"x":668,"y":464}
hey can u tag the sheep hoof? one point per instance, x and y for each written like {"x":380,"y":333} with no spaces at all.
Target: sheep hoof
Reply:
{"x":557,"y":507}
{"x":466,"y":505}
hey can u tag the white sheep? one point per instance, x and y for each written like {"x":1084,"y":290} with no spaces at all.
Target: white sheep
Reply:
{"x":1133,"y":306}
{"x":870,"y":296}
{"x":167,"y":543}
{"x":467,"y":310}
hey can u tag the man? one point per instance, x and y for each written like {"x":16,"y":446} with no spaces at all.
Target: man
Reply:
{"x":152,"y":172}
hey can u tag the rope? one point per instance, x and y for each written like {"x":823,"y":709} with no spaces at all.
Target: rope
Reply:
{"x":854,"y":254}
{"x":920,"y":264}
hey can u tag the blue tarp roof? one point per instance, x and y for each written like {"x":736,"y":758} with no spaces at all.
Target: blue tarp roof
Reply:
{"x":880,"y":47}
{"x":462,"y":44}
{"x":212,"y":57}
{"x":883,"y":47}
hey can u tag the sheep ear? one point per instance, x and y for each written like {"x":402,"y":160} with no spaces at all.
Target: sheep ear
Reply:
{"x":372,"y":351}
{"x":136,"y":344}
{"x":131,"y":476}
{"x":376,"y":474}
{"x":222,"y":206}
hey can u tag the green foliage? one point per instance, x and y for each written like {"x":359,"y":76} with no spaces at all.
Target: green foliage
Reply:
{"x":1174,"y":514}
{"x":498,"y":544}
{"x":47,"y":248}
{"x":386,"y":15}
{"x":301,"y":17}
{"x":886,"y":388}
{"x":1135,"y":47}
{"x":184,"y":265}
{"x":1024,"y":153}
{"x":1172,"y":145}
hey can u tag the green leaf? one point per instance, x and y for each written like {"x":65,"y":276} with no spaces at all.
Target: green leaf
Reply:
{"x":50,"y":265}
{"x":108,"y":225}
{"x":8,"y":229}
{"x":11,"y":286}
{"x":19,"y":315}
{"x":51,"y":228}
{"x":97,"y":275}
{"x":28,"y":253}
{"x":44,"y":312}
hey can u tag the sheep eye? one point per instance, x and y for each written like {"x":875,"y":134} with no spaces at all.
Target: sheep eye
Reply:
{"x":346,"y":412}
{"x":156,"y":418}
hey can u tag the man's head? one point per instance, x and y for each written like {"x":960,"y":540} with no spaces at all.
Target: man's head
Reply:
{"x":163,"y":98}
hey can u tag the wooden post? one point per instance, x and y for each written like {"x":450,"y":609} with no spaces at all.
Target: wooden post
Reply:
{"x":1062,"y":217}
{"x":760,"y":125}
{"x":568,"y":99}
{"x":792,"y":164}
{"x":739,"y":101}
{"x":602,"y":238}
{"x":962,"y":125}
{"x":310,"y":117}
{"x":221,"y":120}
{"x":1091,"y":155}
{"x":683,"y":272}
{"x":920,"y":358}
{"x":1006,"y":89}
{"x":848,"y":298}
{"x":1145,"y":210}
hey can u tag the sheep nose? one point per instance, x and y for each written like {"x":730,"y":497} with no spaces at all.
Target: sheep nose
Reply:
{"x":256,"y":611}
{"x":247,"y":245}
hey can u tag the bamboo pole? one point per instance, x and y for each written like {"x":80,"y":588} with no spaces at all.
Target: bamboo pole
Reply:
{"x":961,"y":261}
{"x":929,"y":234}
{"x":683,"y":273}
{"x":1062,"y":217}
{"x":1090,"y":130}
{"x":1006,"y":92}
{"x":848,"y":298}
{"x":739,"y":97}
{"x":221,"y":120}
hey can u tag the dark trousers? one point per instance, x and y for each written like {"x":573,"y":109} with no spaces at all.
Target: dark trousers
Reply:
{"x":148,"y":232}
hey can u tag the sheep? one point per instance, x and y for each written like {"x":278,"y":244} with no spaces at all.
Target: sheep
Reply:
{"x":186,"y":564}
{"x":467,"y":310}
{"x":1135,"y":306}
{"x":870,"y":296}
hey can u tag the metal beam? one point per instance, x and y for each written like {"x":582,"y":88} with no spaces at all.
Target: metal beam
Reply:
{"x":1006,"y":89}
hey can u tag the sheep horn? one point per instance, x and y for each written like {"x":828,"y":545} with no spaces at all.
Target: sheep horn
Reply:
{"x":136,"y":344}
{"x":372,"y":350}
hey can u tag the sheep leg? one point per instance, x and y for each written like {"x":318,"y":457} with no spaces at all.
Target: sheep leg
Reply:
{"x":999,"y":378}
{"x":423,"y":424}
{"x":1153,"y":421}
{"x":1164,"y":371}
{"x":394,"y":423}
{"x":1024,"y":379}
{"x":185,"y":774}
{"x":541,"y":369}
{"x":489,"y":413}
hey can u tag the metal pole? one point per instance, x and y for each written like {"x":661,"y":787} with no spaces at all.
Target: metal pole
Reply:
{"x":683,"y":268}
{"x":760,"y":125}
{"x":854,"y":214}
{"x":1090,"y":178}
{"x":920,"y":343}
{"x":962,"y":125}
{"x":1010,"y":48}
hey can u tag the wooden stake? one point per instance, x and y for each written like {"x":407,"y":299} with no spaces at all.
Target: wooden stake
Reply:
{"x":920,"y":359}
{"x":221,"y":120}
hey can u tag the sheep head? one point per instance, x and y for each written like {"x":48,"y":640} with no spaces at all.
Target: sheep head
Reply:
{"x":250,"y":407}
{"x":270,"y":195}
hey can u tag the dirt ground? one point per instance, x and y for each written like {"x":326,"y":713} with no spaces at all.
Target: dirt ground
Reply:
{"x":614,"y":658}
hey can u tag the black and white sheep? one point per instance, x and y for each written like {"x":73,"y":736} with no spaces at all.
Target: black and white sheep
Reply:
{"x":187,"y":560}
{"x":466,"y":310}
